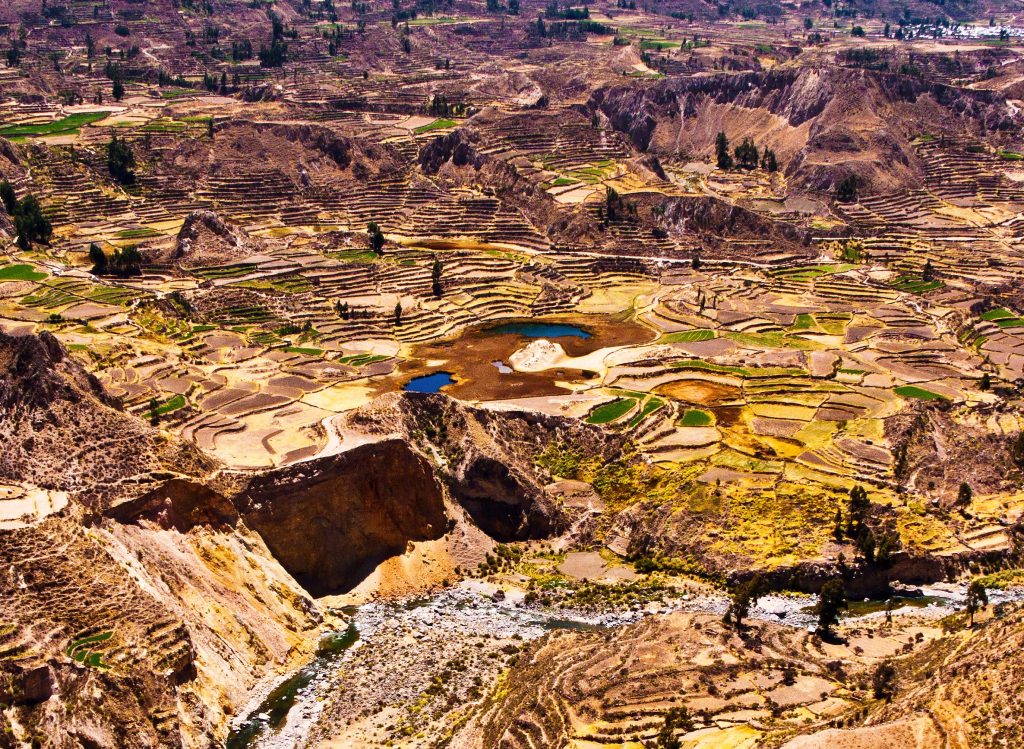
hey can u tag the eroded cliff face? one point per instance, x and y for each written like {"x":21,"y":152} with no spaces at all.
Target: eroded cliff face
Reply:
{"x":824,"y":123}
{"x":330,"y":521}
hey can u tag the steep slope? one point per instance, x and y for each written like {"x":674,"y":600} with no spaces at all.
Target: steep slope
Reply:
{"x":824,"y":123}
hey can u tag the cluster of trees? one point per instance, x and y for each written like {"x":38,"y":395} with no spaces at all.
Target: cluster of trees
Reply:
{"x":347,"y":312}
{"x":567,"y":13}
{"x":120,"y":161}
{"x":846,"y":190}
{"x":614,"y":207}
{"x":877,"y":548}
{"x":436,"y":269}
{"x":676,"y":719}
{"x":376,"y":237}
{"x":441,"y":106}
{"x":121,"y":263}
{"x":276,"y":54}
{"x":27,"y":215}
{"x":744,"y":156}
{"x":496,"y":6}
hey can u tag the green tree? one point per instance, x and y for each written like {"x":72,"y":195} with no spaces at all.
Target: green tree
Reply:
{"x":376,"y":237}
{"x":30,"y":224}
{"x":722,"y":156}
{"x":831,"y":601}
{"x":768,"y":161}
{"x":747,"y":156}
{"x":120,"y":161}
{"x":98,"y":258}
{"x":846,"y":192}
{"x":743,"y":597}
{"x":986,"y":381}
{"x":118,"y":90}
{"x":676,"y":719}
{"x":435,"y":277}
{"x":883,"y":681}
{"x":8,"y":197}
{"x":965,"y":495}
{"x":398,"y":314}
{"x":977,"y":598}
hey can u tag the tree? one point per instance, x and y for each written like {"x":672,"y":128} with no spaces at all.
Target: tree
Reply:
{"x":676,"y":719}
{"x":831,"y":601}
{"x":858,"y":31}
{"x":977,"y":598}
{"x":965,"y":495}
{"x":120,"y":161}
{"x":883,"y":681}
{"x":376,"y":237}
{"x":398,"y":314}
{"x":986,"y":381}
{"x":435,"y":277}
{"x":769,"y":162}
{"x":30,"y":224}
{"x":743,"y":597}
{"x":746,"y":154}
{"x":928,"y":272}
{"x":118,"y":90}
{"x":837,"y":527}
{"x":722,"y":156}
{"x":98,"y":258}
{"x":846,"y":192}
{"x":154,"y":413}
{"x":8,"y":197}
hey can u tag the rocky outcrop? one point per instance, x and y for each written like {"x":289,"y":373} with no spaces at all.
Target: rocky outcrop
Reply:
{"x":60,"y":430}
{"x":456,"y":147}
{"x":330,"y":521}
{"x":824,"y":123}
{"x":488,"y":457}
{"x":710,"y":219}
{"x":206,"y":239}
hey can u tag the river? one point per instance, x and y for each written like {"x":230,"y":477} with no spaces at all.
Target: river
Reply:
{"x":286,"y":713}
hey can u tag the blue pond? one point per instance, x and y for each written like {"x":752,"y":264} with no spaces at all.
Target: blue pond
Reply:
{"x":431,"y":383}
{"x":541,"y":330}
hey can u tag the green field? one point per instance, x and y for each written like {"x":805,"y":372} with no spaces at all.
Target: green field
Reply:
{"x":689,"y":336}
{"x":67,"y":126}
{"x":695,"y":418}
{"x":20,"y":272}
{"x":305,"y":351}
{"x":167,"y":407}
{"x":609,"y":412}
{"x":439,"y":124}
{"x":912,"y":391}
{"x":648,"y":408}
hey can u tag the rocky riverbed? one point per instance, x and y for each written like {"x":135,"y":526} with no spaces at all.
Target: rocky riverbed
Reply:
{"x":418,"y":663}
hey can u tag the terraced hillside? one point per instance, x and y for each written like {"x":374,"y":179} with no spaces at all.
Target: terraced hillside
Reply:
{"x":440,"y":372}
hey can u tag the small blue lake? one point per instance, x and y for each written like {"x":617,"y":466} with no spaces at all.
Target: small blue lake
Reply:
{"x":431,"y":383}
{"x":540,"y":330}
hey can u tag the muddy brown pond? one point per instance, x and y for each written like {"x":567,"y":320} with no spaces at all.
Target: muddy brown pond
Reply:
{"x":476,"y":359}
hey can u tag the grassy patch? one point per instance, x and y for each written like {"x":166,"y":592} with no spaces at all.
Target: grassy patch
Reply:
{"x":1003,"y":579}
{"x":609,"y":412}
{"x":689,"y":336}
{"x":167,"y":407}
{"x":86,"y":650}
{"x":306,"y":351}
{"x":20,"y":272}
{"x":143,"y":233}
{"x":648,"y":408}
{"x":996,"y":314}
{"x":695,"y":418}
{"x":438,"y":124}
{"x":361,"y":360}
{"x":68,"y":126}
{"x":912,"y":391}
{"x":914,"y":284}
